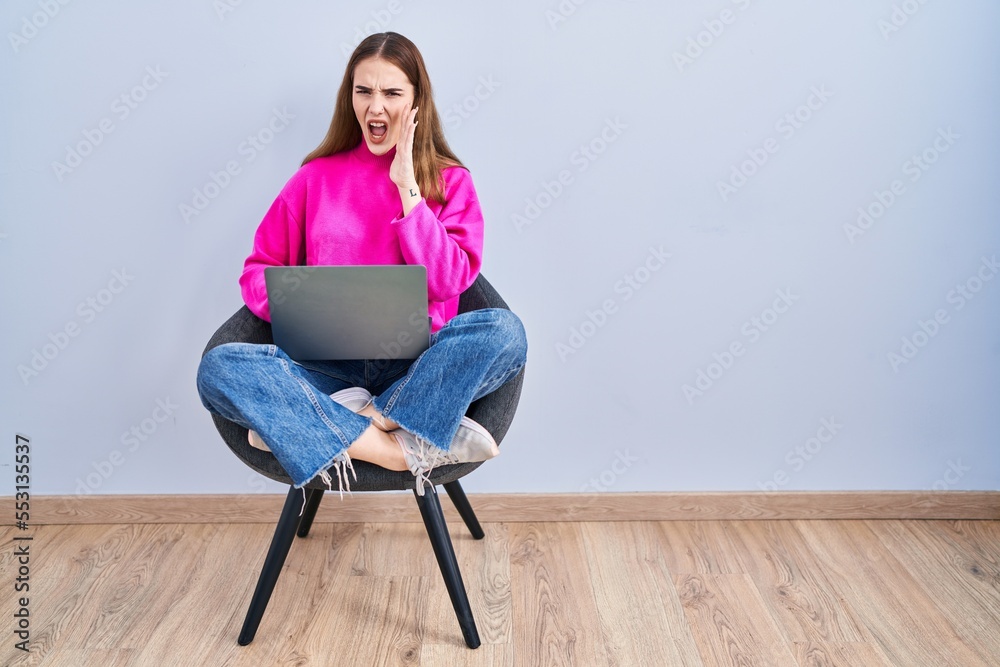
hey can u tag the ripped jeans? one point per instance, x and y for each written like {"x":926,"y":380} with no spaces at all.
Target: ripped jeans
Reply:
{"x":288,"y":403}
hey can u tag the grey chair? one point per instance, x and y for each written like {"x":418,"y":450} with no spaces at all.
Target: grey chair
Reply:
{"x":494,"y":411}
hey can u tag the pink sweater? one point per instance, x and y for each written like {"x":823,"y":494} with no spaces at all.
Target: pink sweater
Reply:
{"x":344,"y":209}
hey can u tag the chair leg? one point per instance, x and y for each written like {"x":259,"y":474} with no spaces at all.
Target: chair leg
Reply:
{"x":430,"y":511}
{"x":457,"y":495}
{"x":313,"y":496}
{"x":284,"y":534}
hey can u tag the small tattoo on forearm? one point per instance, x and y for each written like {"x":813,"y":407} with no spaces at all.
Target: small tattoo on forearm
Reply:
{"x":412,"y":193}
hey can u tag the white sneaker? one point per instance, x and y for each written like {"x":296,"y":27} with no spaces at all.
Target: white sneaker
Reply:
{"x":256,"y":441}
{"x":352,"y":398}
{"x":472,"y":444}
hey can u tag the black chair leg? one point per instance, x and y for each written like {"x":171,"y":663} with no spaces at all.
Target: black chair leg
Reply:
{"x":430,"y":511}
{"x":284,"y":534}
{"x":313,"y":496}
{"x":457,"y":495}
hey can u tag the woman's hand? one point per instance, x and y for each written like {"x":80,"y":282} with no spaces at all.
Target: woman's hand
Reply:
{"x":401,"y":169}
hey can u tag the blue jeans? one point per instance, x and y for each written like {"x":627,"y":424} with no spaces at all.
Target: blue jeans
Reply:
{"x":288,"y":403}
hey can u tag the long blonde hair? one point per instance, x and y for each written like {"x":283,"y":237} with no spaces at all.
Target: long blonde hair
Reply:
{"x":431,"y":152}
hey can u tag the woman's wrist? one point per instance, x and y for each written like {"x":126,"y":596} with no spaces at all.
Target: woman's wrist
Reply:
{"x":410,"y":196}
{"x":411,"y":191}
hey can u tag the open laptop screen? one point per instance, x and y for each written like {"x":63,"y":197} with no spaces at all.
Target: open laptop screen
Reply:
{"x":349,"y":312}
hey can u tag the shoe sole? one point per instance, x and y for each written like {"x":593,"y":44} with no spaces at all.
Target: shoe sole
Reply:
{"x":352,"y":398}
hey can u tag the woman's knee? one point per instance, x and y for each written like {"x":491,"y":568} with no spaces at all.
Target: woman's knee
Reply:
{"x":496,"y":328}
{"x":221,"y":356}
{"x":513,"y":329}
{"x":506,"y":329}
{"x":211,"y":365}
{"x":224,"y":360}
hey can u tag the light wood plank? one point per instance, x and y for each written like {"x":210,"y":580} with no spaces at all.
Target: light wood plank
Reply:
{"x":699,"y":547}
{"x":977,"y":542}
{"x":377,"y":620}
{"x":642,"y":620}
{"x":380,"y":548}
{"x":793,"y":584}
{"x":92,"y":658}
{"x":854,"y":654}
{"x":951,"y":578}
{"x":206,"y":617}
{"x":614,"y":593}
{"x":528,"y":507}
{"x":894,"y":608}
{"x":729,"y":621}
{"x":140,"y":583}
{"x":487,"y":655}
{"x":64,"y":572}
{"x":555,"y":612}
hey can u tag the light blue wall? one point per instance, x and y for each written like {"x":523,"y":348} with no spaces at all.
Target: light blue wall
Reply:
{"x":755,"y":348}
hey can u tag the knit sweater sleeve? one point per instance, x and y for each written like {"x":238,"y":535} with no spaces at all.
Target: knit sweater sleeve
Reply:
{"x":450,"y":242}
{"x":279,"y":241}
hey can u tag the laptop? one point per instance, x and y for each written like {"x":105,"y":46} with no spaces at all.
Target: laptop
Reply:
{"x":349,"y":312}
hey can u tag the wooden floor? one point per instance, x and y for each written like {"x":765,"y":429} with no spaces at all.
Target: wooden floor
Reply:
{"x":649,"y":594}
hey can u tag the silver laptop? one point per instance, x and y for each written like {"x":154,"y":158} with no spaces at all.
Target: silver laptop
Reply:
{"x":349,"y":312}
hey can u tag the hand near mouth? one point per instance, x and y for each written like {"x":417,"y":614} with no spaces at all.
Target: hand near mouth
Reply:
{"x":401,"y":169}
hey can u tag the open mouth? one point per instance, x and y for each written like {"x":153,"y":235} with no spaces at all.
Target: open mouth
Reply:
{"x":377,"y":129}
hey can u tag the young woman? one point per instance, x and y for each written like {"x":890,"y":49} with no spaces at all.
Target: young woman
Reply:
{"x":382,"y":188}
